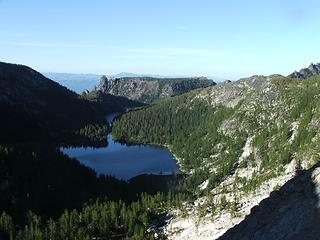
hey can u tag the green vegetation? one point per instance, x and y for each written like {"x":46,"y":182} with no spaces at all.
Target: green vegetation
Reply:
{"x":94,"y":132}
{"x":42,"y":179}
{"x":29,"y":182}
{"x":291,"y":137}
{"x":190,"y":127}
{"x":100,"y":219}
{"x":182,"y":126}
{"x":195,"y":132}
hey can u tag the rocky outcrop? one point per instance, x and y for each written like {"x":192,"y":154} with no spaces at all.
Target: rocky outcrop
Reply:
{"x":148,"y":89}
{"x":229,"y":94}
{"x":103,"y":84}
{"x":312,"y":70}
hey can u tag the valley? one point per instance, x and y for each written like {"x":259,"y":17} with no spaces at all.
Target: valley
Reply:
{"x":231,"y":146}
{"x":159,"y":120}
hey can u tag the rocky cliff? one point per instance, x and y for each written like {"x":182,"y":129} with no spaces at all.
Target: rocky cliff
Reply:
{"x":148,"y":89}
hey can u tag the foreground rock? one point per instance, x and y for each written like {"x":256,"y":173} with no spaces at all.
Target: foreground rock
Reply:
{"x":290,"y":213}
{"x":211,"y":226}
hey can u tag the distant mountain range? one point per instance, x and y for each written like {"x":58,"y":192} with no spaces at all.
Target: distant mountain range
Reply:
{"x":80,"y":82}
{"x":74,"y":81}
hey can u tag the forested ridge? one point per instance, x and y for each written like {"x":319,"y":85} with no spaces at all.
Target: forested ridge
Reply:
{"x":189,"y":127}
{"x":277,"y":117}
{"x":101,"y":219}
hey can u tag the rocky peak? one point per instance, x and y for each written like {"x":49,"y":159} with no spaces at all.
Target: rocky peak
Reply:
{"x":103,"y":84}
{"x":312,"y":70}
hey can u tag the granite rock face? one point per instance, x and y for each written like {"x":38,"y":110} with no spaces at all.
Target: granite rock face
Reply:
{"x":148,"y":89}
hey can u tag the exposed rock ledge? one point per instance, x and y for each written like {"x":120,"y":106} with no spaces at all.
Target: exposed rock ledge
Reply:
{"x":208,"y":228}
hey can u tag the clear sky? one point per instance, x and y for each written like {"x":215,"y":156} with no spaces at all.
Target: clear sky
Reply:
{"x":225,"y":38}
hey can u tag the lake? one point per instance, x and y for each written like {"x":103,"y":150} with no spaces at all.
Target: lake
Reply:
{"x":124,"y":161}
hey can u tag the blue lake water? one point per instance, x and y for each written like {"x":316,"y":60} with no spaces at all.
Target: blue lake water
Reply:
{"x":124,"y":161}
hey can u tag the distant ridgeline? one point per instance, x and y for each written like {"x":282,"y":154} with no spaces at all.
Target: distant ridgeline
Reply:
{"x":149,"y":89}
{"x":73,"y":81}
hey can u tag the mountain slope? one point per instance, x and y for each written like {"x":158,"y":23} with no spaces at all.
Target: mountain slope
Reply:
{"x":236,"y":141}
{"x":33,"y":106}
{"x":148,"y":89}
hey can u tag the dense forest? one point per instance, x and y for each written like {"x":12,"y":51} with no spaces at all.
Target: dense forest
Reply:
{"x":99,"y":219}
{"x":189,"y":127}
{"x":39,"y":182}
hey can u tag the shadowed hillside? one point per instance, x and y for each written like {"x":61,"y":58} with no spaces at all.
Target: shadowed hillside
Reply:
{"x":34,"y":107}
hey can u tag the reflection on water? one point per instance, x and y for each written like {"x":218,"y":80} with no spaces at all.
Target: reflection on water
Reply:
{"x":124,"y":161}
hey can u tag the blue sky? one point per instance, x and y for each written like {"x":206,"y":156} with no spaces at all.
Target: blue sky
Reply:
{"x":228,"y":39}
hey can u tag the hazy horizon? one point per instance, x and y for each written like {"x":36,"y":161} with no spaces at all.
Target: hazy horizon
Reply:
{"x":228,"y":39}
